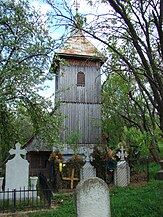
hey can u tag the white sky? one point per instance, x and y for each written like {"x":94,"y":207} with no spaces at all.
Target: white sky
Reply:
{"x":83,"y":9}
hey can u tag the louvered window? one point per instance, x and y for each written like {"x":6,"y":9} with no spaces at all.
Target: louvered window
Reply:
{"x":81,"y":79}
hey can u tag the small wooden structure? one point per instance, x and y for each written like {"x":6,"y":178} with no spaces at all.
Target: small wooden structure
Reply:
{"x":37,"y":156}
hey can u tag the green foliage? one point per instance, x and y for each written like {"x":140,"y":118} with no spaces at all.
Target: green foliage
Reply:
{"x":144,"y":201}
{"x":113,"y":96}
{"x":62,"y":197}
{"x":153,"y":168}
{"x":73,"y":140}
{"x":25,"y":57}
{"x":135,"y":202}
{"x":80,"y":21}
{"x":67,"y":209}
{"x":135,"y":141}
{"x":161,"y":150}
{"x":125,"y":119}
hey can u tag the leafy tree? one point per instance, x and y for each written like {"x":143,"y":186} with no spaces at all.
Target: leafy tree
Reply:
{"x":131,"y":32}
{"x":134,"y":38}
{"x":25,"y":56}
{"x":122,"y":110}
{"x":114,"y":100}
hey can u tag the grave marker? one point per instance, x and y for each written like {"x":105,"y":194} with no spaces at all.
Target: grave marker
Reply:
{"x":87,"y":170}
{"x":17,"y":170}
{"x":92,"y":198}
{"x":17,"y":177}
{"x":122,"y":171}
{"x":72,"y":178}
{"x":122,"y":154}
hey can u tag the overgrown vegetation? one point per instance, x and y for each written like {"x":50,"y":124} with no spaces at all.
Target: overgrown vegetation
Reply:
{"x":131,"y":35}
{"x":145,"y":201}
{"x":26,"y":50}
{"x":141,"y":199}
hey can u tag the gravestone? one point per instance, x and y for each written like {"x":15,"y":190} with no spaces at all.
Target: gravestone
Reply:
{"x":17,"y":170}
{"x":159,"y":174}
{"x":33,"y":181}
{"x":87,"y":170}
{"x":92,"y":198}
{"x":1,"y":183}
{"x":122,"y":171}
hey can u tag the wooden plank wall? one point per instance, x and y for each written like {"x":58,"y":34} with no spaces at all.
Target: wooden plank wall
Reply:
{"x":70,"y":92}
{"x":82,"y":118}
{"x":80,"y":105}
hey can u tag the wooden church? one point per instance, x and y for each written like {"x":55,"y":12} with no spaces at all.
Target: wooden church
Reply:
{"x":78,"y":92}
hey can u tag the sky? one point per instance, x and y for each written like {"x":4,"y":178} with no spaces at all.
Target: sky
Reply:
{"x":83,"y":8}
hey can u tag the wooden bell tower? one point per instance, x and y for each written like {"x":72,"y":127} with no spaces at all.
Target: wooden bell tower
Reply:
{"x":78,"y":89}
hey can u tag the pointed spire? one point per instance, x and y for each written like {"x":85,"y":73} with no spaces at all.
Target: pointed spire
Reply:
{"x":77,"y":5}
{"x":78,"y":46}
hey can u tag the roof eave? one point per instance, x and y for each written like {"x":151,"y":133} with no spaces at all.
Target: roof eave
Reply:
{"x":82,"y":57}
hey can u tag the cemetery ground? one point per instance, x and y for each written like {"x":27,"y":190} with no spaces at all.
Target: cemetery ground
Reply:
{"x":142,"y":197}
{"x":144,"y":201}
{"x":138,"y":199}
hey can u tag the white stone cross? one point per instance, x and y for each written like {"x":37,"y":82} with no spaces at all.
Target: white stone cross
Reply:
{"x":122,"y":154}
{"x":87,"y":154}
{"x":17,"y":151}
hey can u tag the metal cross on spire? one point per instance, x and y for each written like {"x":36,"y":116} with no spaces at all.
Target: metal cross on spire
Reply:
{"x":77,"y":5}
{"x":122,"y":154}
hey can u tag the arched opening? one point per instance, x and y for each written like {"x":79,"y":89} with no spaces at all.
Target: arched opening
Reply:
{"x":81,"y":79}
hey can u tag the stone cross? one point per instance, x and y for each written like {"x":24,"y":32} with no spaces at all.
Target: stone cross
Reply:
{"x":87,"y":170}
{"x":17,"y":151}
{"x":87,"y":154}
{"x":122,"y":154}
{"x":17,"y":170}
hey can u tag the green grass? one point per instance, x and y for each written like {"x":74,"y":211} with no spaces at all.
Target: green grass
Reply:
{"x":161,"y":151}
{"x":65,"y":210}
{"x":153,"y":168}
{"x":138,"y":202}
{"x":143,"y":201}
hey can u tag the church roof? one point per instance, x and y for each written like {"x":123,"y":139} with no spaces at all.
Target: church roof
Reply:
{"x":78,"y":46}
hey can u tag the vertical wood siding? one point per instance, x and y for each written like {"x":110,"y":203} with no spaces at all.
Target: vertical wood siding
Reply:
{"x":80,"y":105}
{"x":84,"y":119}
{"x":69,"y":91}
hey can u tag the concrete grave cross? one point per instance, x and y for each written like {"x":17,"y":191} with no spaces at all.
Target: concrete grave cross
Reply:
{"x":122,"y":154}
{"x":122,"y":171}
{"x":87,"y":153}
{"x":17,"y":170}
{"x":17,"y":151}
{"x":87,"y":170}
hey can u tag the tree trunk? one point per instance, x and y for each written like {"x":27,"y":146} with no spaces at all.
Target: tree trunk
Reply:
{"x":154,"y":151}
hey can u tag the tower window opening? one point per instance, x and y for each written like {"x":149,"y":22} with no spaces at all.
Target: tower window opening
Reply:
{"x":81,"y":79}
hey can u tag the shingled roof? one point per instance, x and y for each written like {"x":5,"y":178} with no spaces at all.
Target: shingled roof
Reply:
{"x":78,"y":46}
